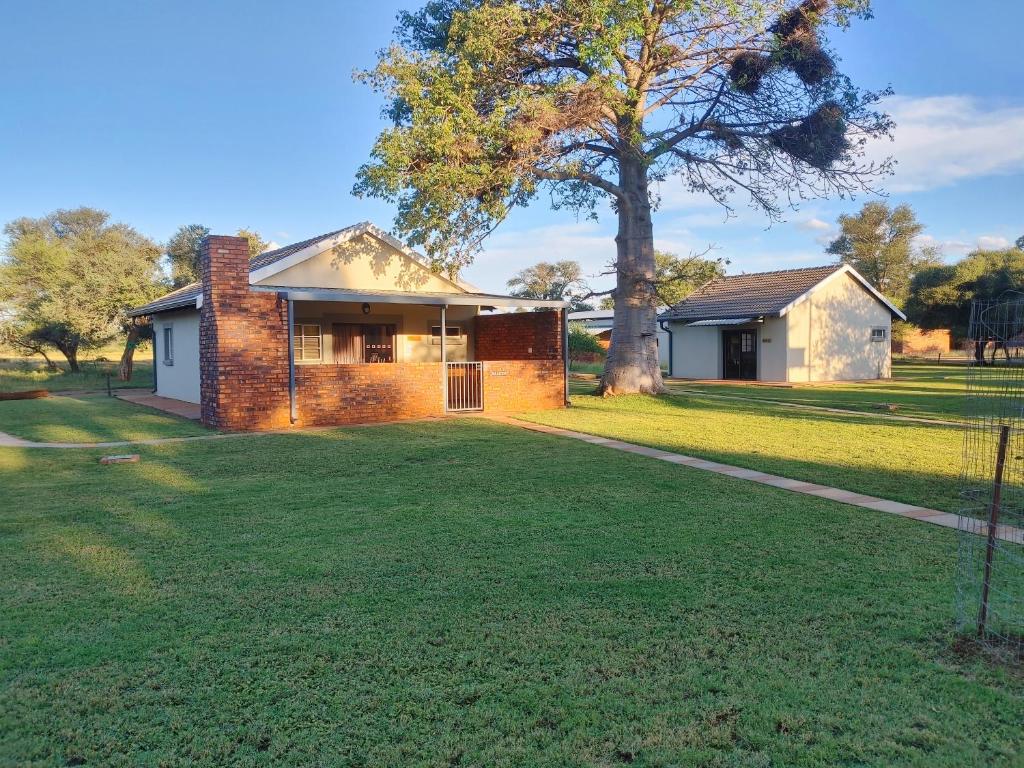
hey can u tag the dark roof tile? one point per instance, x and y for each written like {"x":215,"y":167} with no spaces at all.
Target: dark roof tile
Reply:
{"x":756,"y":294}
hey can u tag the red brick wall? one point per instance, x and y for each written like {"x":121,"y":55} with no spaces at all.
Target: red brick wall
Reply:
{"x":523,"y":385}
{"x":243,"y":361}
{"x":519,"y":336}
{"x":351,"y":394}
{"x":243,"y":343}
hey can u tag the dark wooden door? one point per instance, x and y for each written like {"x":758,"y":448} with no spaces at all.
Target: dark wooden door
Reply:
{"x":740,"y":349}
{"x":379,"y":343}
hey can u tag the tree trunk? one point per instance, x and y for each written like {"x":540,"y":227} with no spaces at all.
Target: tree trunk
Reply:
{"x":70,"y":352}
{"x":632,"y":366}
{"x":124,"y":368}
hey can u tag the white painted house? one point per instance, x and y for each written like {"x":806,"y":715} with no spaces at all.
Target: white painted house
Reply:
{"x":796,"y":325}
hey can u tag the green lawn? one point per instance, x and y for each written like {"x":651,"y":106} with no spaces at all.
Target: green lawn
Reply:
{"x":89,"y":419}
{"x":462,"y":593}
{"x":910,"y":462}
{"x":17,"y":374}
{"x":930,"y":391}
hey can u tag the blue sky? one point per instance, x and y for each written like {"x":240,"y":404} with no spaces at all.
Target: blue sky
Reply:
{"x":244,"y":114}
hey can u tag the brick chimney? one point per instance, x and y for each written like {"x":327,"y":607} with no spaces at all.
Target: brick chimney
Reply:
{"x":243,"y":343}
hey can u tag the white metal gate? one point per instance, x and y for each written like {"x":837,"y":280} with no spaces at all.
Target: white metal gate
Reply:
{"x":465,"y":387}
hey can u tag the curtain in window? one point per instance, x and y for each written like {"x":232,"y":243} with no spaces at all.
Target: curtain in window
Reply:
{"x":347,"y":343}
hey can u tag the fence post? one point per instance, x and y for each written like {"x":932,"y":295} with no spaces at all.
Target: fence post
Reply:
{"x":993,"y":521}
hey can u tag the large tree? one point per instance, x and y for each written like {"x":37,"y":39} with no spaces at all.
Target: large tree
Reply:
{"x":560,"y":280}
{"x":68,"y":278}
{"x":880,"y":243}
{"x":941,"y":295}
{"x":183,"y":253}
{"x":492,"y":100}
{"x":677,"y":277}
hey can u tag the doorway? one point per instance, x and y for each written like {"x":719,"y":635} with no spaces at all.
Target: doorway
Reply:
{"x":740,"y":349}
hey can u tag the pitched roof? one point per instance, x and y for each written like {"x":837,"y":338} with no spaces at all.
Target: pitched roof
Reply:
{"x":179,"y":298}
{"x":762,"y":294}
{"x":752,"y":295}
{"x":187,"y":295}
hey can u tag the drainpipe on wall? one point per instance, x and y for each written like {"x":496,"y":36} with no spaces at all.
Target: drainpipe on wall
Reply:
{"x":444,"y":356}
{"x":663,"y":324}
{"x":153,"y":325}
{"x":292,"y":409}
{"x":565,"y":351}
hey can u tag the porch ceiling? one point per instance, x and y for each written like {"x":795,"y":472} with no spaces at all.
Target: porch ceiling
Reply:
{"x":402,"y":297}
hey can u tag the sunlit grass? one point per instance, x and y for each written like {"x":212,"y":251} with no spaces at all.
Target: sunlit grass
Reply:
{"x":19,"y":374}
{"x":929,"y":391}
{"x":89,"y":419}
{"x":462,"y":593}
{"x":913,"y":463}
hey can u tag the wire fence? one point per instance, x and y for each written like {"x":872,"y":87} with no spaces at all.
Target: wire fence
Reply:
{"x":990,"y":572}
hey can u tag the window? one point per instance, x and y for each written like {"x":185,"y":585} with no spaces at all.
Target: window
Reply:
{"x":878,"y":334}
{"x":168,"y":345}
{"x":451,"y":332}
{"x":307,"y":342}
{"x":747,"y":341}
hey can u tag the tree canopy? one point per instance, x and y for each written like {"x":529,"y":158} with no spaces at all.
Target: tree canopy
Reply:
{"x":941,"y":295}
{"x":879,"y":242}
{"x":678,"y":277}
{"x":68,"y":278}
{"x":492,"y":101}
{"x":560,"y":280}
{"x":183,"y":253}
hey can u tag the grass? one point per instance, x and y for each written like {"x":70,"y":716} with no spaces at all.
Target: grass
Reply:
{"x":462,"y":593}
{"x":928,"y":391}
{"x":18,"y":374}
{"x":909,"y":462}
{"x":89,"y":419}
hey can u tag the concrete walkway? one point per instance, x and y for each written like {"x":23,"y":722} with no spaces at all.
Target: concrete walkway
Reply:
{"x":144,"y":397}
{"x":924,"y":514}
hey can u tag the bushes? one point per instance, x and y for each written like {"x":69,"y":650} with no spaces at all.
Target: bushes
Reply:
{"x":584,"y":346}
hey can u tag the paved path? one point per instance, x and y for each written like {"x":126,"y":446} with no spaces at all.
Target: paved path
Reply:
{"x":924,"y":514}
{"x":167,"y":405}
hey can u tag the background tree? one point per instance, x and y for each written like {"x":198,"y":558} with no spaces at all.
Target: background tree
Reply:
{"x":603,"y":99}
{"x":676,"y":277}
{"x":941,"y":295}
{"x":69,"y":277}
{"x":879,"y":243}
{"x":183,"y":253}
{"x":561,"y":280}
{"x":257,"y":244}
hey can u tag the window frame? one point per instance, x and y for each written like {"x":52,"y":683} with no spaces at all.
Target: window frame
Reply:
{"x":300,"y":343}
{"x":453,"y":338}
{"x":882,"y":337}
{"x":167,"y":342}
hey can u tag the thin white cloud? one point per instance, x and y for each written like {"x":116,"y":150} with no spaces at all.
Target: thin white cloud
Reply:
{"x":940,"y":140}
{"x":814,"y":225}
{"x":993,"y":242}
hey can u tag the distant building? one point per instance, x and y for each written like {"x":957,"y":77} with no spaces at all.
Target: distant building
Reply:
{"x":796,"y":325}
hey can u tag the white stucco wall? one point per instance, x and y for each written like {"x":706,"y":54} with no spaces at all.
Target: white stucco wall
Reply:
{"x":180,"y":380}
{"x":696,"y":352}
{"x":362,"y":263}
{"x":771,"y":345}
{"x":829,"y":334}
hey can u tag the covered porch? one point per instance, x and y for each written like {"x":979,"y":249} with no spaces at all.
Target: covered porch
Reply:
{"x":385,"y":355}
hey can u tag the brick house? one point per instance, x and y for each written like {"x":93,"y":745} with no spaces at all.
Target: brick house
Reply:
{"x":348,"y":327}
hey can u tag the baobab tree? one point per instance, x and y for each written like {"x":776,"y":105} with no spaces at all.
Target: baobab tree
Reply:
{"x":492,"y":101}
